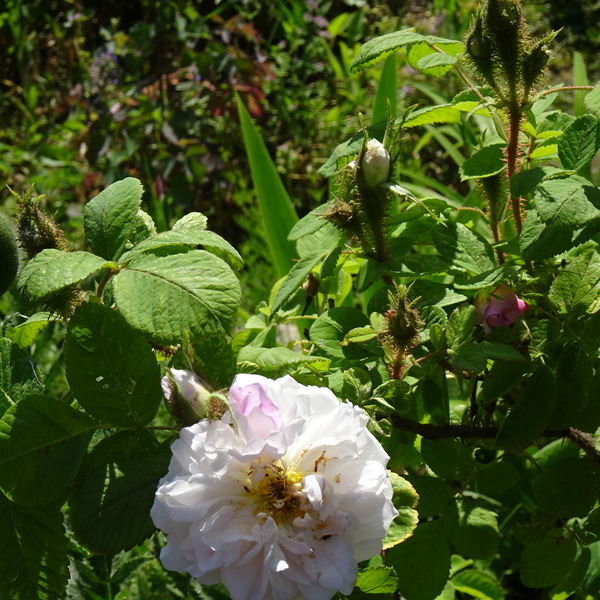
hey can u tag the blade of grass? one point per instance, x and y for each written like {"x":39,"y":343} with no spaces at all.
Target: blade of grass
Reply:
{"x":386,"y":89}
{"x":580,"y":77}
{"x":275,"y":205}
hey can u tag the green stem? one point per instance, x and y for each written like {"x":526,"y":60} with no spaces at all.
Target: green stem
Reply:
{"x":103,"y":283}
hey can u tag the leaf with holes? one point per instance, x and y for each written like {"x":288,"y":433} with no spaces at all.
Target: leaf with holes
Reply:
{"x":111,"y":368}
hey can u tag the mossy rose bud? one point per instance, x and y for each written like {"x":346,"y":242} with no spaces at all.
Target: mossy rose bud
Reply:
{"x":187,"y":396}
{"x":375,"y":163}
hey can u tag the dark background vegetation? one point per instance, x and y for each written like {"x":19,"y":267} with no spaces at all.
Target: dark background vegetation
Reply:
{"x":91,"y":92}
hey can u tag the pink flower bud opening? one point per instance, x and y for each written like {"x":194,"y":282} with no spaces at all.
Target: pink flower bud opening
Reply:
{"x":499,"y":308}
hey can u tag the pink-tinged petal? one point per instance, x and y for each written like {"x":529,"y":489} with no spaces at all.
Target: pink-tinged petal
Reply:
{"x":254,"y":410}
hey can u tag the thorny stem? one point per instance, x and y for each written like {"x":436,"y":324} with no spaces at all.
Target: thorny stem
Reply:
{"x":512,"y":151}
{"x":564,"y":88}
{"x":582,"y":440}
{"x":586,"y":442}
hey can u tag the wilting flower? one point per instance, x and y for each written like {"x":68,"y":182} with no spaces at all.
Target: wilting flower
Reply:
{"x":280,"y":498}
{"x":500,"y":307}
{"x":375,"y":163}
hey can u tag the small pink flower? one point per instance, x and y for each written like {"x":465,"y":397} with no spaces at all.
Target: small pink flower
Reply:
{"x":498,"y":308}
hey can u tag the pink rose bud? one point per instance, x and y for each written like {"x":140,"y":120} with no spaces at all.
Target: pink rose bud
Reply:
{"x":375,"y":163}
{"x":498,"y":308}
{"x":188,"y":388}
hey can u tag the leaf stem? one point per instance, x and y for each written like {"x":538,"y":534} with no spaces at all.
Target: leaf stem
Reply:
{"x":100,"y":290}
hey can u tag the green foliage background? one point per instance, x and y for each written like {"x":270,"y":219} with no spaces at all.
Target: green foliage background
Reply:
{"x":92,"y":94}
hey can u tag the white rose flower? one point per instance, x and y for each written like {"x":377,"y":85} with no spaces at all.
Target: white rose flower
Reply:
{"x":375,"y":163}
{"x":280,"y":498}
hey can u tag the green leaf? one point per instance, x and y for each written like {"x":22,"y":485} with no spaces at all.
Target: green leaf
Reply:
{"x":381,"y":47}
{"x":108,"y":218}
{"x":111,"y":368}
{"x":484,"y":163}
{"x":500,"y":352}
{"x":478,"y":584}
{"x":579,"y":142}
{"x":329,"y":263}
{"x":436,"y":64}
{"x":573,"y":374}
{"x":188,"y":238}
{"x":143,"y":227}
{"x":577,"y":285}
{"x":193,"y":221}
{"x":531,"y":414}
{"x":274,"y":361}
{"x":567,"y":203}
{"x":448,"y":458}
{"x":463,"y":248}
{"x":432,"y":293}
{"x":276,"y":208}
{"x":461,"y":324}
{"x":26,"y":333}
{"x":432,"y":115}
{"x":295,"y":278}
{"x":592,"y":101}
{"x":539,"y":241}
{"x":324,"y":240}
{"x":495,"y":477}
{"x":471,"y":529}
{"x":423,"y":57}
{"x":569,"y":585}
{"x":163,"y":296}
{"x":330,"y":329}
{"x":42,"y":443}
{"x":422,"y":562}
{"x":110,"y":504}
{"x":591,"y":582}
{"x":524,"y":182}
{"x":34,"y":563}
{"x":569,"y":488}
{"x":18,"y":377}
{"x":356,"y":385}
{"x":502,"y":378}
{"x":548,"y":561}
{"x":401,"y":527}
{"x":211,"y":354}
{"x":308,"y":224}
{"x":52,"y":270}
{"x":359,"y":335}
{"x":468,"y":357}
{"x":434,"y":494}
{"x":488,"y":279}
{"x":377,"y":580}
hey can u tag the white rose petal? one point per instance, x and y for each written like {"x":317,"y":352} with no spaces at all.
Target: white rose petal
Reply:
{"x":283,"y":505}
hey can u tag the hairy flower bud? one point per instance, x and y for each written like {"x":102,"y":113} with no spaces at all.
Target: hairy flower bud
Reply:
{"x":187,"y":397}
{"x":375,"y":163}
{"x":499,"y":308}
